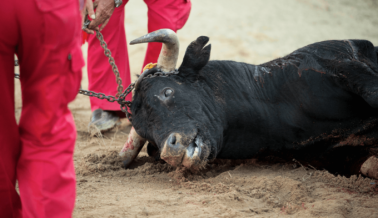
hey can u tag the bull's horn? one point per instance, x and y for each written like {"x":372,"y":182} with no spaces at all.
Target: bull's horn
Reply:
{"x":170,"y":50}
{"x":132,"y":147}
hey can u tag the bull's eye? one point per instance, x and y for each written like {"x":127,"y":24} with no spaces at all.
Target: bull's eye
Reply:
{"x":168,"y":92}
{"x":166,"y":95}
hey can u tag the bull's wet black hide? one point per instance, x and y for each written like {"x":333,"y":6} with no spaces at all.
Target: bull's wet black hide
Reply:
{"x":318,"y":104}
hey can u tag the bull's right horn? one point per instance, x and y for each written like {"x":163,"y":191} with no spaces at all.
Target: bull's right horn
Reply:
{"x":170,"y":50}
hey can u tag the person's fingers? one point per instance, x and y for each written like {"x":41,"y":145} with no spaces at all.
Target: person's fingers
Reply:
{"x":104,"y":10}
{"x":95,"y":2}
{"x":88,"y":31}
{"x":104,"y":24}
{"x":90,"y":9}
{"x":93,"y":25}
{"x":99,"y":19}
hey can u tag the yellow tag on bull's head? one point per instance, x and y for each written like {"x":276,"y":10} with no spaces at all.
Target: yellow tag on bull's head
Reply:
{"x":149,"y":66}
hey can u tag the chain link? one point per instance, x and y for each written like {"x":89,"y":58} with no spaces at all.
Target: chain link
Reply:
{"x":17,"y":76}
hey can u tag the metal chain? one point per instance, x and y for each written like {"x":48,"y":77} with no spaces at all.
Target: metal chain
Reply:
{"x":17,"y":76}
{"x":121,"y":100}
{"x":108,"y":54}
{"x":124,"y":105}
{"x":121,"y":95}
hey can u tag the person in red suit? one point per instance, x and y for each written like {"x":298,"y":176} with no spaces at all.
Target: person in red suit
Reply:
{"x":38,"y":151}
{"x":110,"y":14}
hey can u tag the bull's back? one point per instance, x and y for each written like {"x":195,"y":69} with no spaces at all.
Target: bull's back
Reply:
{"x":336,"y":51}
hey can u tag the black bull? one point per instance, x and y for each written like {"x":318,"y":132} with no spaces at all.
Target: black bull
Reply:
{"x":318,"y":105}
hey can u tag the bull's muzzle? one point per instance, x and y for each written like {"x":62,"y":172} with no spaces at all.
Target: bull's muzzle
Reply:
{"x":177,"y":151}
{"x":173,"y":150}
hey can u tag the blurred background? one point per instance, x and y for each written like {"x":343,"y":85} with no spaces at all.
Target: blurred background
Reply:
{"x":256,"y":31}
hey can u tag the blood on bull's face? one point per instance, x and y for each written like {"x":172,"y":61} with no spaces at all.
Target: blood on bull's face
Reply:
{"x":176,"y":112}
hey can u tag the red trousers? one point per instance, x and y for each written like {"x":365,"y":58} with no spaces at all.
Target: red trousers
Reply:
{"x":38,"y":151}
{"x":171,"y":14}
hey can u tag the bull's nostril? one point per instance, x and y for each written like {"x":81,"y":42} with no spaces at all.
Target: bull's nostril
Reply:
{"x":172,"y":140}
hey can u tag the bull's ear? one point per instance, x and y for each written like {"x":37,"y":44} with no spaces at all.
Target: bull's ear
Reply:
{"x":196,"y":57}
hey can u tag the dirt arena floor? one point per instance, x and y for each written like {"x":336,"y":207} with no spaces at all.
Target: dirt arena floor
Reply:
{"x":242,"y":30}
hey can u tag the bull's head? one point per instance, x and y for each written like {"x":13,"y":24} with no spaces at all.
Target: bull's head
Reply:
{"x":176,"y":113}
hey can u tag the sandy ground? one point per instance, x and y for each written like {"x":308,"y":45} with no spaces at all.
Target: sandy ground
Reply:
{"x":242,"y":30}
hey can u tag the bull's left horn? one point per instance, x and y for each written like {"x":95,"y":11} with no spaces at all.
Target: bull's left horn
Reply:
{"x":169,"y":52}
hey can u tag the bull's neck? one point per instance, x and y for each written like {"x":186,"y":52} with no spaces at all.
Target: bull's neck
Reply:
{"x":239,"y":89}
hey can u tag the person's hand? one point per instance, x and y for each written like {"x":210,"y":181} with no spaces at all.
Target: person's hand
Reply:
{"x":104,"y":9}
{"x":89,"y":10}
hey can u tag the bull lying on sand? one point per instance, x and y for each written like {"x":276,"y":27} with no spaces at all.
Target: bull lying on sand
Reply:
{"x":318,"y":105}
